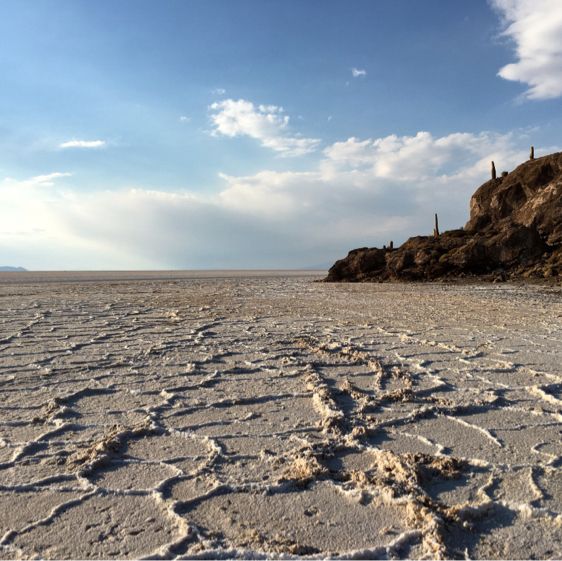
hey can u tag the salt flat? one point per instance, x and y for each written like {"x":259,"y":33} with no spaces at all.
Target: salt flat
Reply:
{"x":263,"y":415}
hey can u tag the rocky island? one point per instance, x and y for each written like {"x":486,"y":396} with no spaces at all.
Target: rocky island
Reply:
{"x":514,"y":231}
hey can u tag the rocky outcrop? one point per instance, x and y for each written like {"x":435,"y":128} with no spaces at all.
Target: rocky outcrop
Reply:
{"x":514,"y":231}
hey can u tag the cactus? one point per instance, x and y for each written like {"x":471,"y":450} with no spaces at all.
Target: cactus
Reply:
{"x":532,"y":154}
{"x":493,"y":170}
{"x":436,"y":229}
{"x":391,"y":245}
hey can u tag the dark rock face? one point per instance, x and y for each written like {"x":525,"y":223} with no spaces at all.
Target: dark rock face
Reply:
{"x":515,"y":230}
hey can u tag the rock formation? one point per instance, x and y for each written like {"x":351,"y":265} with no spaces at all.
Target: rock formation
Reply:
{"x":514,"y":231}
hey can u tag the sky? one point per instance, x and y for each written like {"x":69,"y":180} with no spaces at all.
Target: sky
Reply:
{"x":187,"y":134}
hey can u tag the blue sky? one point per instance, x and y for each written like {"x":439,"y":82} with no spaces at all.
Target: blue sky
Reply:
{"x":259,"y":133}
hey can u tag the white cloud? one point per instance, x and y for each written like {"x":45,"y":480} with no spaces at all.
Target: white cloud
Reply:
{"x":218,"y":91}
{"x":83,"y":144}
{"x":266,"y":123}
{"x":185,"y":119}
{"x":414,"y":158}
{"x":535,"y":26}
{"x":357,"y":72}
{"x":47,"y":180}
{"x":361,"y":192}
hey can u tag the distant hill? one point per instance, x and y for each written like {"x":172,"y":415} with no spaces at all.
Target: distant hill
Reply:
{"x":6,"y":269}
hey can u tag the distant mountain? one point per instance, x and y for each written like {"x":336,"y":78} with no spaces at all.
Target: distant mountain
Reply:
{"x":6,"y":269}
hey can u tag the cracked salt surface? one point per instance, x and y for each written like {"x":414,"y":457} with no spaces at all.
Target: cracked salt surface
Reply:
{"x":185,"y":415}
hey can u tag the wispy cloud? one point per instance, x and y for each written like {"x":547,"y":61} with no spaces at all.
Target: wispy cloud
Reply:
{"x":185,"y":119}
{"x":218,"y":91}
{"x":47,"y":180}
{"x":266,"y":123}
{"x":535,"y":26}
{"x":83,"y":144}
{"x":357,"y":72}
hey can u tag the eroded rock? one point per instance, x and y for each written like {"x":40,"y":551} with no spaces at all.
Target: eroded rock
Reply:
{"x":514,"y":231}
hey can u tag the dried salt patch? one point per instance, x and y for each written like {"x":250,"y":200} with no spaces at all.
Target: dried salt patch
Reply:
{"x":520,"y":420}
{"x":549,"y":483}
{"x":32,"y":505}
{"x":120,"y":476}
{"x":170,"y":448}
{"x":511,"y":536}
{"x":482,"y":430}
{"x":311,"y":516}
{"x":31,"y":473}
{"x":131,"y":535}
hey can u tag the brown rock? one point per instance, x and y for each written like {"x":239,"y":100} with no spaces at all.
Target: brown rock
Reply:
{"x":515,"y":230}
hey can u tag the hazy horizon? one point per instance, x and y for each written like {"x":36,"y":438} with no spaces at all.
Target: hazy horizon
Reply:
{"x":260,"y":135}
{"x":8,"y":268}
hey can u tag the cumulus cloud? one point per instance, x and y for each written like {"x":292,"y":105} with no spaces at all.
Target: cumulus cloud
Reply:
{"x":535,"y":26}
{"x":83,"y":144}
{"x":421,"y":156}
{"x":357,"y":72}
{"x":266,"y":123}
{"x":360,"y":192}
